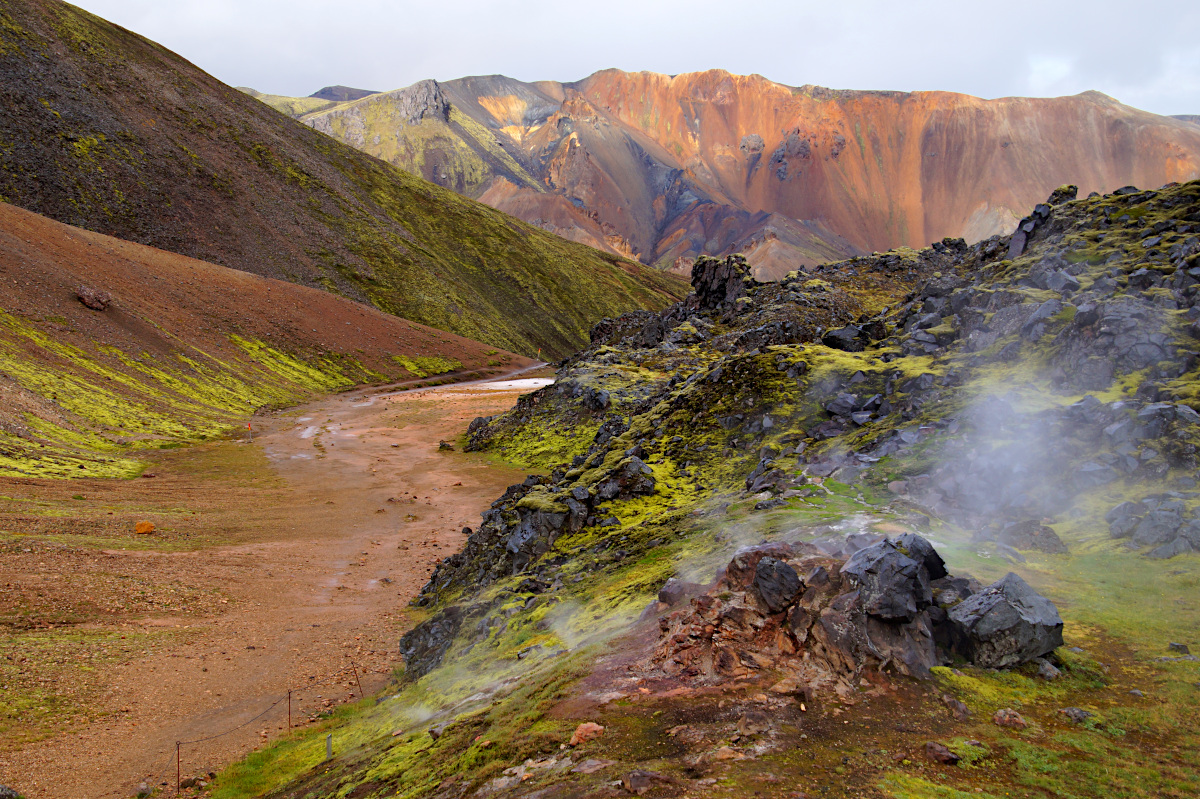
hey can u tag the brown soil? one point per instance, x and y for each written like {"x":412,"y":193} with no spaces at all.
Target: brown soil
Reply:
{"x":286,"y":563}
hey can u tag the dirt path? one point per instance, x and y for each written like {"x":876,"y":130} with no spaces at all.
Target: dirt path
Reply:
{"x":368,"y":505}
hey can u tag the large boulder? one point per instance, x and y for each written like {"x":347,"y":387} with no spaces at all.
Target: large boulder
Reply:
{"x":719,"y":282}
{"x":849,"y":338}
{"x":1031,"y":534}
{"x":919,"y":549}
{"x":776,"y":584}
{"x":892,"y":586}
{"x":96,"y":299}
{"x":1005,"y":624}
{"x":743,"y":567}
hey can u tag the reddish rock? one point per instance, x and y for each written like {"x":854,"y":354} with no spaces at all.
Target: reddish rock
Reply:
{"x":585,"y":732}
{"x":639,"y":781}
{"x":957,"y":708}
{"x":1009,"y":718}
{"x":93,"y":298}
{"x":938,"y":753}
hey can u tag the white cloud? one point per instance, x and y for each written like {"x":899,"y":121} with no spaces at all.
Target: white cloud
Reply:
{"x":1148,"y":59}
{"x":1048,"y":73}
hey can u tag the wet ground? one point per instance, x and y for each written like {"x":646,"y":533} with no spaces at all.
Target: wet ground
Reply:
{"x":358,"y":503}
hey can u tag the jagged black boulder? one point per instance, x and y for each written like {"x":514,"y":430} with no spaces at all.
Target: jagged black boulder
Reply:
{"x":1005,"y":624}
{"x":776,"y":583}
{"x":921,"y":550}
{"x":849,"y":338}
{"x":718,"y":283}
{"x":892,"y":586}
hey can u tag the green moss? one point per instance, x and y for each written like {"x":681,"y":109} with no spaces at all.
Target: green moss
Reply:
{"x":910,"y":786}
{"x":541,"y":500}
{"x":97,"y":409}
{"x":426,"y":366}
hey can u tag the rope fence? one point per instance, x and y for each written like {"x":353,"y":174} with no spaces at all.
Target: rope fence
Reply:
{"x":177,"y":755}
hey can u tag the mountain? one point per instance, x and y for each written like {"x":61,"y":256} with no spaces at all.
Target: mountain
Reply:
{"x":110,"y":132}
{"x":342,"y":94}
{"x":174,"y":349}
{"x":294,"y":107}
{"x":1193,"y":118}
{"x":664,"y":168}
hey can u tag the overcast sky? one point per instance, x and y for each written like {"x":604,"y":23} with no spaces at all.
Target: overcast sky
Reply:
{"x":1144,"y":54}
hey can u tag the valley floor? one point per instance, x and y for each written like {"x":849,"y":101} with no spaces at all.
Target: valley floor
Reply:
{"x":275,"y":565}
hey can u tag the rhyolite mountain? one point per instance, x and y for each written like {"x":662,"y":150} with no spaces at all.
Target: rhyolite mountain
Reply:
{"x":108,"y":131}
{"x":664,"y":168}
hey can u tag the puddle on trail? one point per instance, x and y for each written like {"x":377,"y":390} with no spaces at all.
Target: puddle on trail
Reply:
{"x":527,"y":384}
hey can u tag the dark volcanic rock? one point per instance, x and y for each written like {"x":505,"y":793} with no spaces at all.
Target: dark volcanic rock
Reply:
{"x":892,"y":585}
{"x":1031,"y":535}
{"x":776,"y":583}
{"x":825,"y":629}
{"x":919,"y":549}
{"x":849,"y":339}
{"x":743,"y":567}
{"x":719,"y":282}
{"x":1006,"y":624}
{"x":425,"y":645}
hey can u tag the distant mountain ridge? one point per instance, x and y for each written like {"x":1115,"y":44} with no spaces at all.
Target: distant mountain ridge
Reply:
{"x":108,"y":131}
{"x":342,"y":94}
{"x":663,"y":168}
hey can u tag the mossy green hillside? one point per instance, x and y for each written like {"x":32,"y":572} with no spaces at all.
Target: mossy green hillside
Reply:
{"x":87,"y":413}
{"x":444,"y":145}
{"x":294,"y":107}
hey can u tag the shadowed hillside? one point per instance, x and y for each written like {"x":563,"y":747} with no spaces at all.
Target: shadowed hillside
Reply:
{"x":108,"y":131}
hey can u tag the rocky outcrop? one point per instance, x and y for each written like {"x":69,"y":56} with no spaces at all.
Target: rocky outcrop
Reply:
{"x":736,"y":389}
{"x":1005,"y":624}
{"x":425,"y":645}
{"x":718,"y":283}
{"x":797,"y":610}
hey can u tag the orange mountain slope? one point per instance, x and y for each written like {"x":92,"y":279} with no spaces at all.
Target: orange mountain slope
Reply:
{"x":668,"y":167}
{"x":183,"y":350}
